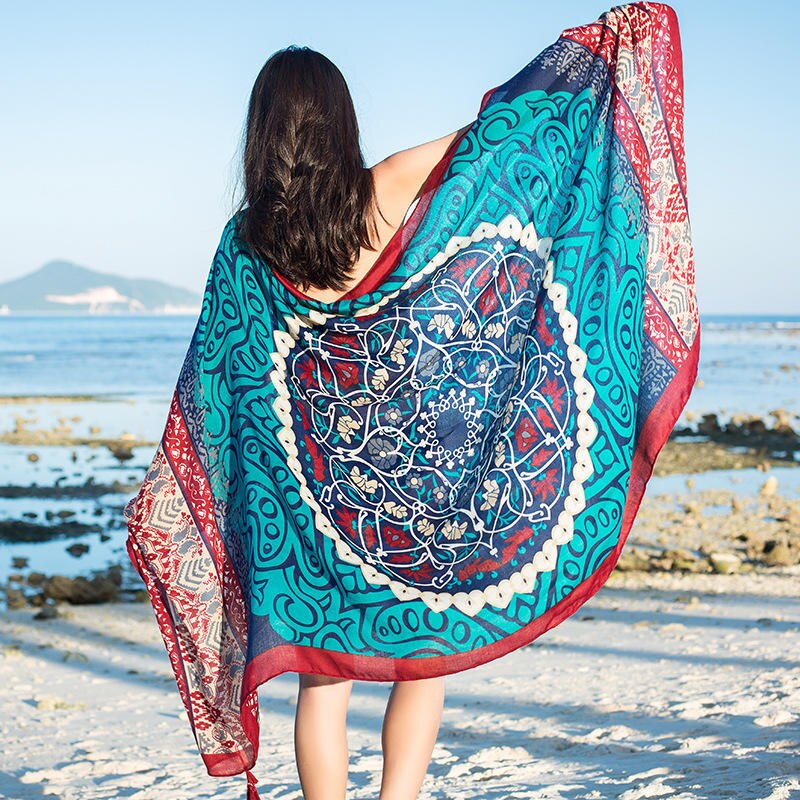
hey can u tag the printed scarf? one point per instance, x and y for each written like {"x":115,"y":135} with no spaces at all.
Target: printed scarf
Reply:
{"x":445,"y":463}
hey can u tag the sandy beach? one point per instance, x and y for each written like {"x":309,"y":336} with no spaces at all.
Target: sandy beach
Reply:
{"x":662,"y":685}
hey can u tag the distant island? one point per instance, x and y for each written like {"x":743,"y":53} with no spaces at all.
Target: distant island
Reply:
{"x":64,"y":287}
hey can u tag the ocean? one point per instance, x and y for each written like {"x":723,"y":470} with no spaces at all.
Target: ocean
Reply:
{"x":748,"y":364}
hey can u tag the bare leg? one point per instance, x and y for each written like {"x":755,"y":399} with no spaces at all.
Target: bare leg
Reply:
{"x":410,"y":727}
{"x":320,"y":736}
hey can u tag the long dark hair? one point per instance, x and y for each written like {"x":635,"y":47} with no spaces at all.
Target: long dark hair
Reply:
{"x":307,"y":189}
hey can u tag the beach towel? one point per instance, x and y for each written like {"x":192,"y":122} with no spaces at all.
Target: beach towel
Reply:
{"x":444,"y":463}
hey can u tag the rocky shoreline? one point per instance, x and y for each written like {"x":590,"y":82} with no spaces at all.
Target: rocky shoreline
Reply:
{"x":713,"y":532}
{"x":53,"y":594}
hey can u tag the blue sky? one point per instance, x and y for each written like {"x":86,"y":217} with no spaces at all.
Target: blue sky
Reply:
{"x":121,"y":121}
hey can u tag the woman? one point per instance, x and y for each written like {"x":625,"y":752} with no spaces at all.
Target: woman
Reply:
{"x":304,"y":173}
{"x":437,"y":454}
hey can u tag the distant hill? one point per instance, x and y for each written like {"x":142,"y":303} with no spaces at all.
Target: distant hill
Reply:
{"x":61,"y":286}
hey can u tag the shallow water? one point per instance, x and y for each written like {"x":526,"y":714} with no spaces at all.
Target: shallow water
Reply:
{"x":56,"y":468}
{"x":139,"y":357}
{"x":741,"y":360}
{"x":142,"y":415}
{"x":744,"y":482}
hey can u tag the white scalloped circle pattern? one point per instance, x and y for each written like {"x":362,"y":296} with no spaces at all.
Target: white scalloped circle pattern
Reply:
{"x":523,"y":581}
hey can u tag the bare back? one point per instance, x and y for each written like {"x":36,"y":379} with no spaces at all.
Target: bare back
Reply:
{"x":398,"y":182}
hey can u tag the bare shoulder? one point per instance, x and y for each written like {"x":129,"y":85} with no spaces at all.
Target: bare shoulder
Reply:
{"x":406,"y":170}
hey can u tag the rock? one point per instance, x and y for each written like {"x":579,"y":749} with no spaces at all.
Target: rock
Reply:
{"x":57,"y":704}
{"x":36,"y":578}
{"x":34,"y":457}
{"x":673,"y":626}
{"x":47,"y":611}
{"x":661,"y":564}
{"x":753,"y":540}
{"x":791,"y":516}
{"x":81,"y":591}
{"x":17,"y":531}
{"x":98,"y":590}
{"x":15,"y":598}
{"x":114,"y":574}
{"x":684,"y":560}
{"x":778,"y":554}
{"x":121,"y":452}
{"x":59,"y":587}
{"x":632,"y":561}
{"x":724,"y":563}
{"x":78,"y":549}
{"x":19,"y":562}
{"x":74,"y":655}
{"x":769,"y":488}
{"x":708,"y":425}
{"x":755,"y":427}
{"x":783,"y":421}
